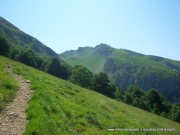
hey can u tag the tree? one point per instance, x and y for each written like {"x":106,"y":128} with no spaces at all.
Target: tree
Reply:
{"x":166,"y":106}
{"x":111,"y":91}
{"x":27,"y":57}
{"x":66,"y":71}
{"x":4,"y":46}
{"x":128,"y":99}
{"x":101,"y":83}
{"x":175,"y":113}
{"x":134,"y":91}
{"x":133,"y":95}
{"x":81,"y":76}
{"x":156,"y":109}
{"x":153,"y":97}
{"x":119,"y":94}
{"x":144,"y":104}
{"x":13,"y":52}
{"x":54,"y":68}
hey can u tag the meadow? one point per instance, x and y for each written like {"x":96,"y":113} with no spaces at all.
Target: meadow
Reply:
{"x":60,"y":107}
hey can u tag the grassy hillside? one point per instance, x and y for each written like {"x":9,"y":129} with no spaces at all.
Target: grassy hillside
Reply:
{"x":59,"y":107}
{"x":83,"y":56}
{"x":125,"y":68}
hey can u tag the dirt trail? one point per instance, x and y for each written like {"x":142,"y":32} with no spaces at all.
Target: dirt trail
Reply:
{"x":13,"y":117}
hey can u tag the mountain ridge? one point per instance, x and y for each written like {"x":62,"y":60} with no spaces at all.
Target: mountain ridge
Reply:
{"x":126,"y":67}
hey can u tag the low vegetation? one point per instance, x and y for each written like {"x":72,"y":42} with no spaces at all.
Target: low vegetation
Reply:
{"x":8,"y":87}
{"x":60,"y":107}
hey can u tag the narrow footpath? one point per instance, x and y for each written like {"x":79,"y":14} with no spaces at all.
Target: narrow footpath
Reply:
{"x":13,"y":117}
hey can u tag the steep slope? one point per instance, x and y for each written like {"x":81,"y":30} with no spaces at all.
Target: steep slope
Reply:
{"x":130,"y":68}
{"x":21,"y":40}
{"x":59,"y":107}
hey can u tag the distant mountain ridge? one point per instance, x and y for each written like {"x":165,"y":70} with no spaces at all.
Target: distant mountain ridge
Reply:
{"x":126,"y":67}
{"x":19,"y":39}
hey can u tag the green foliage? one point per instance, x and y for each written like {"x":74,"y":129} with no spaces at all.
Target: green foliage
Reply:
{"x":54,"y":68}
{"x":13,"y":52}
{"x":175,"y":114}
{"x":58,"y":69}
{"x":156,"y":109}
{"x":128,"y":99}
{"x":151,"y":101}
{"x":133,"y":95}
{"x":154,"y":97}
{"x":111,"y":90}
{"x":27,"y":57}
{"x":4,"y":46}
{"x":101,"y":82}
{"x":81,"y":76}
{"x":119,"y":94}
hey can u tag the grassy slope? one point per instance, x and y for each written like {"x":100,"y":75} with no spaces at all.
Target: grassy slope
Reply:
{"x":59,"y":107}
{"x":94,"y":63}
{"x":121,"y":59}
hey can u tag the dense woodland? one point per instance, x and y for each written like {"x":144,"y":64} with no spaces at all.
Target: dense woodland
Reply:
{"x":151,"y":100}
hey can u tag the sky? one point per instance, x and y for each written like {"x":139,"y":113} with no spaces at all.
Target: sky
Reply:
{"x":151,"y":27}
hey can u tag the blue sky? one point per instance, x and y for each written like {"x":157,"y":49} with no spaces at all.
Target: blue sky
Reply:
{"x":146,"y":26}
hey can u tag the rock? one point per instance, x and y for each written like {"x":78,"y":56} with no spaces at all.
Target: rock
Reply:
{"x":26,"y":96}
{"x":8,"y":66}
{"x":28,"y":81}
{"x":12,"y":114}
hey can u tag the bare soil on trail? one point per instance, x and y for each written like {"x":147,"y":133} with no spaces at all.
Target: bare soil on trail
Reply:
{"x":13,"y":117}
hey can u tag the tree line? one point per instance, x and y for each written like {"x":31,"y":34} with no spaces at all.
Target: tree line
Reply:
{"x":151,"y":100}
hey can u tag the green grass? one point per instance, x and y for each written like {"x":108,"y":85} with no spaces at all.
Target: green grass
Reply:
{"x":59,"y":107}
{"x":8,"y":86}
{"x":94,"y":62}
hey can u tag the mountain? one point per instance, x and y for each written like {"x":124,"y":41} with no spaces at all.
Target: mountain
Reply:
{"x":126,"y":67}
{"x":60,"y":107}
{"x":21,"y":40}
